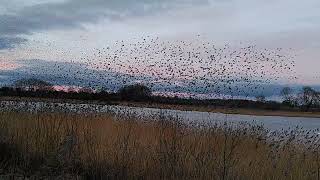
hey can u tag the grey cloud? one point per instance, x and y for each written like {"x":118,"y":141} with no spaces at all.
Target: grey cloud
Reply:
{"x":10,"y":42}
{"x":65,"y":73}
{"x":74,"y":13}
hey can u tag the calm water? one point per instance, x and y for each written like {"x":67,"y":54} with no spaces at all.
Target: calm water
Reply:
{"x":270,"y":122}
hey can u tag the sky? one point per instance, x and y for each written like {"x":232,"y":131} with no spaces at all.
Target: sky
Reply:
{"x":67,"y":30}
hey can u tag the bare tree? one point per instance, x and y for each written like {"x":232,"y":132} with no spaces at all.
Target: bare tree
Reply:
{"x":135,"y":92}
{"x":261,"y":98}
{"x":33,"y":84}
{"x":309,"y":98}
{"x":287,"y":96}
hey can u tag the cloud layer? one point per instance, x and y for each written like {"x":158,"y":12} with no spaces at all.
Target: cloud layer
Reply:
{"x":75,"y":13}
{"x":233,"y":17}
{"x":274,"y":23}
{"x":10,"y":42}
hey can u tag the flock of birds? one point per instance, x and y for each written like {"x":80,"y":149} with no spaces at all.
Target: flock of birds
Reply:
{"x":179,"y":66}
{"x":198,"y":66}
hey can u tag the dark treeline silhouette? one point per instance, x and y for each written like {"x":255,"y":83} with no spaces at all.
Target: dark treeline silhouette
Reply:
{"x":127,"y":94}
{"x":306,"y":100}
{"x":135,"y":92}
{"x":78,"y":95}
{"x":33,"y":84}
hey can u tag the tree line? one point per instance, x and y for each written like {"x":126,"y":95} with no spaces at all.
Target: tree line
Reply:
{"x":307,"y":99}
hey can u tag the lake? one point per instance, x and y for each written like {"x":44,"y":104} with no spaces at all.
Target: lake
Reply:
{"x":270,"y":122}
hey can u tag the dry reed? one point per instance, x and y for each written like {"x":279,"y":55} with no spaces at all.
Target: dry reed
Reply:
{"x":73,"y":146}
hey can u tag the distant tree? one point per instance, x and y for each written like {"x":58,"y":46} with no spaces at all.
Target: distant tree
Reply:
{"x":135,"y":92}
{"x":102,"y":90}
{"x":33,"y":84}
{"x":86,"y":90}
{"x":5,"y":91}
{"x":286,"y":93}
{"x":261,"y":98}
{"x":309,"y":98}
{"x":287,"y":96}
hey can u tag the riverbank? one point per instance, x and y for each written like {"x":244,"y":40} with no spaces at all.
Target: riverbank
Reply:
{"x":240,"y":111}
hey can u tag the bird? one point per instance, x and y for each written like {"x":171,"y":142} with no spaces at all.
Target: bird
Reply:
{"x":192,"y":66}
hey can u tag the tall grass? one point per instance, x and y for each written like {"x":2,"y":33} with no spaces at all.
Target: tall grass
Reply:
{"x":74,"y":146}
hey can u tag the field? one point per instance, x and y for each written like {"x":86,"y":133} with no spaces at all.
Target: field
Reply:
{"x":101,"y":146}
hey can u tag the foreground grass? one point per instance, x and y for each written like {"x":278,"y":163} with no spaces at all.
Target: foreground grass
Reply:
{"x":70,"y":146}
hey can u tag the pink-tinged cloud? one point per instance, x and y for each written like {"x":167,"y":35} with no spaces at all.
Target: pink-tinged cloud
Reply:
{"x":65,"y":88}
{"x":199,"y":95}
{"x":8,"y":66}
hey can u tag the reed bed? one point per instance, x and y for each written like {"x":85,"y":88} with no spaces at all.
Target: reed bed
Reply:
{"x":105,"y":146}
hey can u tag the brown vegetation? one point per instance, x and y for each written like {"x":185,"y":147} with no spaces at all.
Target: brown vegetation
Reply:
{"x":51,"y":145}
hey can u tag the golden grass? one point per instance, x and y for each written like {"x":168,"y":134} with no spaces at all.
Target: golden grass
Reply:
{"x":104,"y":146}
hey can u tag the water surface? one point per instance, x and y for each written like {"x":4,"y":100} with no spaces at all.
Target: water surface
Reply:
{"x":269,"y":122}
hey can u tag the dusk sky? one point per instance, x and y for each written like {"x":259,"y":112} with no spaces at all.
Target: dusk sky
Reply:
{"x":65,"y":30}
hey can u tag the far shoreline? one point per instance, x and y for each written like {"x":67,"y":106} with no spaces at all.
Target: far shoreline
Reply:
{"x":231,"y":111}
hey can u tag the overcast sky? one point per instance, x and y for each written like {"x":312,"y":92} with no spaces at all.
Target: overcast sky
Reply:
{"x":63,"y":30}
